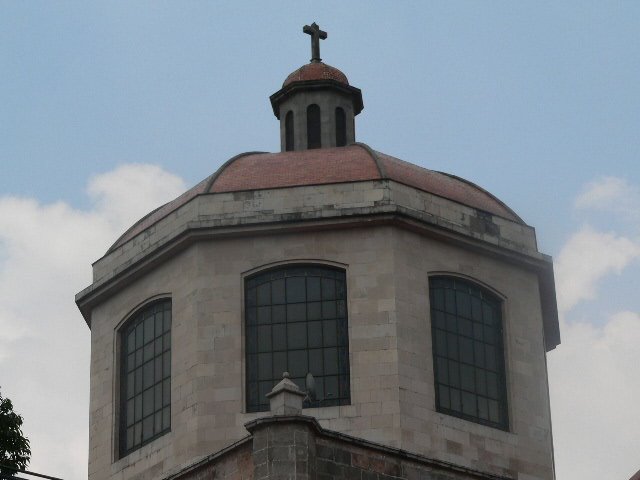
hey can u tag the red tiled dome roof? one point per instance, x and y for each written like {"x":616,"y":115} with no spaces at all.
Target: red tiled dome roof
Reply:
{"x":357,"y":162}
{"x":316,"y":71}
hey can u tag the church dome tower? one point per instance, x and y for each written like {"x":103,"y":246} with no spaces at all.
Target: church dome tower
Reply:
{"x":323,"y":312}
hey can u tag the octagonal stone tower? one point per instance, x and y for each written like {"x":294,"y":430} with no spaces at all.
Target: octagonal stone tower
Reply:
{"x":417,"y":301}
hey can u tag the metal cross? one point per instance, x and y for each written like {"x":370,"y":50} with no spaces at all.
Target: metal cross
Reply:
{"x":316,"y":36}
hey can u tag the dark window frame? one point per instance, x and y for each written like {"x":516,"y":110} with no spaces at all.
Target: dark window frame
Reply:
{"x":296,"y":318}
{"x":289,"y":137}
{"x":468,"y":351}
{"x":314,"y":126}
{"x":341,"y":127}
{"x":144,"y":356}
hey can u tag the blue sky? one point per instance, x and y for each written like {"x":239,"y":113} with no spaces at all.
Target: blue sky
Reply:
{"x":538,"y":102}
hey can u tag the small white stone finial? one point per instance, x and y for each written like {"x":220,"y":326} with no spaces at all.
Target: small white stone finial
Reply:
{"x":285,"y":398}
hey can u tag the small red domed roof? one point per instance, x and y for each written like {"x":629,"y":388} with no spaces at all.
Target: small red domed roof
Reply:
{"x":316,"y":71}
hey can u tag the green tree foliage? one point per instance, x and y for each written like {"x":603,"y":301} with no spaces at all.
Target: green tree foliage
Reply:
{"x":14,"y":446}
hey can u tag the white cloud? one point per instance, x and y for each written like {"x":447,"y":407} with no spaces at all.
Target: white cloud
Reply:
{"x":594,"y":395}
{"x":585,"y":258}
{"x":593,"y":376}
{"x":611,"y":194}
{"x":45,"y":258}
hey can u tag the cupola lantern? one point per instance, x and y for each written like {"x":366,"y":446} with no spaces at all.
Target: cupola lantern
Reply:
{"x":316,"y":105}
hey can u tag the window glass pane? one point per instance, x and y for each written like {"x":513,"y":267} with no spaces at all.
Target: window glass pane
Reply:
{"x":130,"y":412}
{"x":454,"y":374}
{"x":157,"y":396}
{"x":316,"y":362}
{"x":467,"y":377}
{"x":131,"y":362}
{"x":296,"y":312}
{"x":328,"y":309}
{"x":139,"y":336}
{"x":465,"y":327}
{"x":492,"y":385}
{"x":251,"y":316}
{"x":298,"y":363}
{"x":481,"y":381}
{"x":264,"y":338}
{"x":166,"y":393}
{"x":278,"y":314}
{"x":252,"y":368}
{"x":129,"y":437}
{"x":138,"y":408}
{"x":331,"y":388}
{"x":331,"y":361}
{"x":166,"y":417}
{"x":157,"y":375}
{"x":454,"y":396}
{"x":278,"y":292}
{"x":443,"y":394}
{"x":279,"y":337}
{"x":138,"y":381}
{"x":166,"y":364}
{"x":328,"y":289}
{"x":296,"y":290}
{"x":130,"y":385}
{"x":158,"y":327}
{"x":450,"y":301}
{"x":264,"y":315}
{"x":137,"y":433}
{"x":490,"y":357}
{"x":463,"y":305}
{"x":167,"y":317}
{"x":452,"y":345}
{"x":147,"y":428}
{"x":494,"y":411}
{"x":313,"y":289}
{"x":315,"y":334}
{"x":441,"y":342}
{"x":147,"y":402}
{"x":157,"y":427}
{"x":468,"y":403}
{"x":297,"y":335}
{"x":279,"y":364}
{"x":250,"y":297}
{"x":147,"y":375}
{"x":330,"y":333}
{"x":314,"y":311}
{"x":466,"y":350}
{"x":437,"y":299}
{"x":264,"y":294}
{"x":442,"y":370}
{"x":265,"y":366}
{"x":148,"y":352}
{"x":148,"y":329}
{"x":483,"y":408}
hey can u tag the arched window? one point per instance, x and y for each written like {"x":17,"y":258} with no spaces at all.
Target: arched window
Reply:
{"x":296,"y":322}
{"x":145,"y":379}
{"x":341,"y":128}
{"x":466,"y":326}
{"x":288,"y":131}
{"x":313,"y":126}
